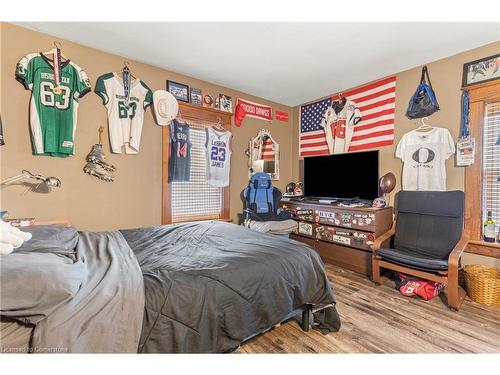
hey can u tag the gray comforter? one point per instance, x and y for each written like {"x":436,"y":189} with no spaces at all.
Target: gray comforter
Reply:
{"x":211,"y":285}
{"x":82,"y":292}
{"x":197,"y":287}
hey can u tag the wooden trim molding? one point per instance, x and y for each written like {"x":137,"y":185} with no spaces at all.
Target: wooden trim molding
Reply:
{"x":197,"y":112}
{"x":479,"y":95}
{"x":473,"y":174}
{"x":487,"y":91}
{"x":484,"y":248}
{"x":166,"y":208}
{"x":190,"y":111}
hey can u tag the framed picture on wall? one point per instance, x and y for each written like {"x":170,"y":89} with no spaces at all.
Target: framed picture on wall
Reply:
{"x":483,"y":70}
{"x":179,"y":90}
{"x":195,"y":96}
{"x":208,"y":101}
{"x":225,"y":103}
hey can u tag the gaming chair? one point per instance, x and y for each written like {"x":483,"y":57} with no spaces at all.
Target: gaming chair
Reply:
{"x":261,"y":200}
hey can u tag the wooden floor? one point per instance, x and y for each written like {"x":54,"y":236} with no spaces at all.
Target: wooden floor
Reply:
{"x":380,"y":320}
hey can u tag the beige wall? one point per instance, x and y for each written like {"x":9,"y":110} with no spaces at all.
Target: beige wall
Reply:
{"x":134,"y":199}
{"x":446,"y":78}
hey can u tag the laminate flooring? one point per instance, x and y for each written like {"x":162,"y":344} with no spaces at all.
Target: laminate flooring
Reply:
{"x":378,"y":319}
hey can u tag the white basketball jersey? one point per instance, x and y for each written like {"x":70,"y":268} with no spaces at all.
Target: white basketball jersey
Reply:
{"x":218,"y":148}
{"x":124,"y":119}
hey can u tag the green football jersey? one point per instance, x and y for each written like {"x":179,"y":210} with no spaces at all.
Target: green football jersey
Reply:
{"x":52,"y":116}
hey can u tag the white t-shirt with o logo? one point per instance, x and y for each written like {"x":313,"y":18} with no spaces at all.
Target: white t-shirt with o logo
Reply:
{"x":424,"y":155}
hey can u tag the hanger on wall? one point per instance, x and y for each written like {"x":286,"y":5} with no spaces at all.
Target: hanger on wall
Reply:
{"x":57,"y":44}
{"x":424,"y":127}
{"x":338,"y":97}
{"x":218,"y":125}
{"x":179,"y":116}
{"x":126,"y":65}
{"x":101,"y":130}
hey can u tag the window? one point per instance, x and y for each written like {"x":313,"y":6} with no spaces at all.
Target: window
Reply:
{"x":194,"y":200}
{"x":482,"y":187}
{"x":491,"y":162}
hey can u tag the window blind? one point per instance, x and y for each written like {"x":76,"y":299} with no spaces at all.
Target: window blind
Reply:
{"x":491,"y":162}
{"x":195,"y":199}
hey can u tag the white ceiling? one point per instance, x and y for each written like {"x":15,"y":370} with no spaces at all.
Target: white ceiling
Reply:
{"x":289,"y":63}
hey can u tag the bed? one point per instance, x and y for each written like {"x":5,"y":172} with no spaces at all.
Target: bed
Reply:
{"x":201,"y":287}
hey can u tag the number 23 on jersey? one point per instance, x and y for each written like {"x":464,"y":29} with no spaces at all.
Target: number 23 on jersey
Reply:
{"x":218,"y":153}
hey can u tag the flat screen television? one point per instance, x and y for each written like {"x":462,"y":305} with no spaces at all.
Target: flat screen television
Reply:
{"x":342,"y":176}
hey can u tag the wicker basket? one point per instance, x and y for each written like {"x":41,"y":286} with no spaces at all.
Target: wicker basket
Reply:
{"x":483,"y":284}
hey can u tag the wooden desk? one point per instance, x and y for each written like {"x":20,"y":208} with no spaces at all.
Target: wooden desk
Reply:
{"x":341,"y":235}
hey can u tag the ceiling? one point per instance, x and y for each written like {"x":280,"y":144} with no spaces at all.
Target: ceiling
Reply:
{"x":288,"y":63}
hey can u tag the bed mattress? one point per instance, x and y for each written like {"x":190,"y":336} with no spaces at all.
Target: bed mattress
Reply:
{"x":210,"y":285}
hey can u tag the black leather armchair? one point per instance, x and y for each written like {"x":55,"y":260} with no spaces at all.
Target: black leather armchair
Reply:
{"x":426,"y":240}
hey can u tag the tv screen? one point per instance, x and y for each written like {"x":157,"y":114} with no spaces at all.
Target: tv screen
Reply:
{"x":350,"y":175}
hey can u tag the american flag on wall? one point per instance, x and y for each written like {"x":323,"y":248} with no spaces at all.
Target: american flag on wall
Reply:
{"x":376,"y":102}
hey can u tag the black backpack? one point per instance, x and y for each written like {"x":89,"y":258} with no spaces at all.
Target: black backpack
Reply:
{"x":423,"y":103}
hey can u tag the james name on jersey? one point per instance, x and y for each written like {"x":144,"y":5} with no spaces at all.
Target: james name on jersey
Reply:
{"x":53,"y":115}
{"x":218,"y":153}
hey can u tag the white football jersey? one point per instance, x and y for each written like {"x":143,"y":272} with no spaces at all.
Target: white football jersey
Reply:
{"x":218,"y":148}
{"x":124,"y":119}
{"x":339,"y":127}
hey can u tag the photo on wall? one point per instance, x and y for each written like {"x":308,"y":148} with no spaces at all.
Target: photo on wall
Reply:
{"x":208,"y":101}
{"x":179,"y":90}
{"x":225,"y":103}
{"x":195,"y":96}
{"x":483,"y":70}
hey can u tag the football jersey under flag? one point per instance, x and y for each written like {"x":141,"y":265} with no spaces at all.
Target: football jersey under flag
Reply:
{"x":52,"y":115}
{"x":339,"y":121}
{"x":125,"y":118}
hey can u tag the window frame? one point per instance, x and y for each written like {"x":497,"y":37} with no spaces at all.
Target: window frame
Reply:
{"x":193,"y":112}
{"x":479,"y":96}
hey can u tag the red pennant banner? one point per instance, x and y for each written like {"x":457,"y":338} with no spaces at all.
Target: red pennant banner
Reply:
{"x":246,"y":108}
{"x":281,"y":116}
